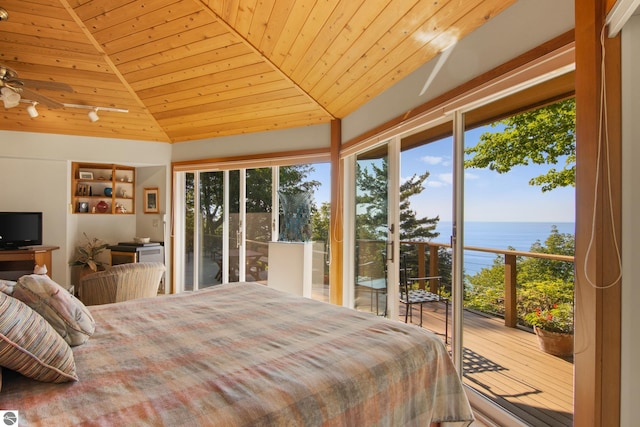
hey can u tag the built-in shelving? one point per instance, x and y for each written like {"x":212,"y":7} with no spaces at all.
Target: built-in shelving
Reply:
{"x":103,"y":189}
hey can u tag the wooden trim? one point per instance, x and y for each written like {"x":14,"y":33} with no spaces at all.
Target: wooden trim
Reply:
{"x":254,"y":160}
{"x":598,"y":219}
{"x":336,"y":223}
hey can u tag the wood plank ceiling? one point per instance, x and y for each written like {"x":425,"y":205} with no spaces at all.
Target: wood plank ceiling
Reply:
{"x":194,"y":69}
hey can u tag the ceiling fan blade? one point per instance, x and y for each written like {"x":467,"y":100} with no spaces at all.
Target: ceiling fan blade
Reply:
{"x":42,"y":84}
{"x":41,"y":99}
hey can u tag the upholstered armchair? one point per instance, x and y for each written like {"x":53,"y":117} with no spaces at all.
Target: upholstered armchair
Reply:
{"x":121,"y":282}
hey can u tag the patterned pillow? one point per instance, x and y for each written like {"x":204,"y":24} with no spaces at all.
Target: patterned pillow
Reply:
{"x":30,"y":345}
{"x":6,"y":286}
{"x":66,"y":313}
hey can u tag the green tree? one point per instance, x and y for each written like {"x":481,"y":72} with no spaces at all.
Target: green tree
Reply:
{"x":372,"y":223}
{"x":258,"y":199}
{"x":541,"y":136}
{"x":320,"y":222}
{"x":542,"y":283}
{"x":372,"y":198}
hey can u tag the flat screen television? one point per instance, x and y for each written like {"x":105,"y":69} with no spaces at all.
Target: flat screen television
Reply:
{"x":19,"y":229}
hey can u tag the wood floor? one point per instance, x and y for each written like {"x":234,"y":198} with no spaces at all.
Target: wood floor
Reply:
{"x":505,"y":365}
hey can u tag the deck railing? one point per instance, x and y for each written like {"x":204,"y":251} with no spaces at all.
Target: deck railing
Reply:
{"x":510,"y":270}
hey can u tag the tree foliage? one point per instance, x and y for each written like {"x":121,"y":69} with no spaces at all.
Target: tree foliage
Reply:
{"x":371,"y":198}
{"x":258,"y":199}
{"x":320,"y":222}
{"x":542,"y":283}
{"x":372,"y":221}
{"x":542,"y":136}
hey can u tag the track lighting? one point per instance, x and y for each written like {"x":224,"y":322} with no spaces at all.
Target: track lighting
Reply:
{"x":31,"y":109}
{"x":9,"y":96}
{"x":93,"y":115}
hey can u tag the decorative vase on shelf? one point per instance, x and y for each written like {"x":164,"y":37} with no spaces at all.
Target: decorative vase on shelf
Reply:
{"x":108,"y":191}
{"x":102,"y":206}
{"x":555,"y":343}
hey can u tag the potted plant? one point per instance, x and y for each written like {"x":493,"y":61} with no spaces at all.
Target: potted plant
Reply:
{"x":87,"y":254}
{"x":554,"y":328}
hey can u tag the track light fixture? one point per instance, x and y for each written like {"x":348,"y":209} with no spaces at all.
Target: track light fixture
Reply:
{"x":31,"y":109}
{"x":11,"y":99}
{"x":93,"y":115}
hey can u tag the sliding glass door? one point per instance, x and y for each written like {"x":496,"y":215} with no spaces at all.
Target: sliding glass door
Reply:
{"x":372,"y":247}
{"x":226,"y":220}
{"x":210,"y":221}
{"x":259,"y":218}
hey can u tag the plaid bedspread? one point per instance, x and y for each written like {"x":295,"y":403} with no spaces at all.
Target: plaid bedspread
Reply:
{"x":246,"y":355}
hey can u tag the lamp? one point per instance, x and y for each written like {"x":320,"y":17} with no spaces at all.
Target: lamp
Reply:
{"x":31,"y":109}
{"x":93,"y":115}
{"x":10,"y":98}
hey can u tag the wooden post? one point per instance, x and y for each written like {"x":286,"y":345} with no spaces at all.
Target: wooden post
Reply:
{"x":598,"y":219}
{"x":336,"y":221}
{"x":510,"y":280}
{"x":433,"y":268}
{"x":421,"y":263}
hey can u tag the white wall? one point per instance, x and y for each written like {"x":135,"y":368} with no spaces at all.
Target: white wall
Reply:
{"x":302,"y":138}
{"x":39,"y":185}
{"x":151,"y":224}
{"x":630,"y":383}
{"x":37,"y":171}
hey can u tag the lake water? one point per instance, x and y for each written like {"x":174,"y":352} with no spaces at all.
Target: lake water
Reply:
{"x":499,"y":235}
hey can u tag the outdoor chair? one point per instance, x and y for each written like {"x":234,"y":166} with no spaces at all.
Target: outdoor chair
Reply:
{"x":376,"y":286}
{"x":419,"y":297}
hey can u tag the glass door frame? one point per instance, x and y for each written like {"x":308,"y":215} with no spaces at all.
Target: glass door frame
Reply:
{"x":393,"y":237}
{"x":393,"y":139}
{"x":179,"y":218}
{"x":179,"y":222}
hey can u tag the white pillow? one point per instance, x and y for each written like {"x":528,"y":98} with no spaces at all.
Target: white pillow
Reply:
{"x":66,"y":313}
{"x":6,"y":286}
{"x":29,"y":345}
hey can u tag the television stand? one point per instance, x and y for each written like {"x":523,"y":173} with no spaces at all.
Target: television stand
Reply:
{"x":18,"y":262}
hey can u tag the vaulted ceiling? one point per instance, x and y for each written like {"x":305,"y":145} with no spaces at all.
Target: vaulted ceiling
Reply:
{"x":194,"y":69}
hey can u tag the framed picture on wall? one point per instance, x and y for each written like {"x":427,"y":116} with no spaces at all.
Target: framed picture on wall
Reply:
{"x":151,"y":200}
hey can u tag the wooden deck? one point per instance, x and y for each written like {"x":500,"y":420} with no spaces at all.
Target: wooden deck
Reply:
{"x":505,"y":365}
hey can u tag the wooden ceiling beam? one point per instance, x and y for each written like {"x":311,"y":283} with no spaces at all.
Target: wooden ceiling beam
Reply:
{"x":108,"y":61}
{"x":267,"y":60}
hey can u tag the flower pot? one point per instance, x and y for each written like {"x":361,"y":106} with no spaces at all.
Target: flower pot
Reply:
{"x":556,"y":343}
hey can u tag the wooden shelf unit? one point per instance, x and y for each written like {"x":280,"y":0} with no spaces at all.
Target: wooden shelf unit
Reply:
{"x":88,"y":184}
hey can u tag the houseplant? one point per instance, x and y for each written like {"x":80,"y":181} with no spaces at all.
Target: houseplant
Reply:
{"x":87,"y":254}
{"x":554,"y":328}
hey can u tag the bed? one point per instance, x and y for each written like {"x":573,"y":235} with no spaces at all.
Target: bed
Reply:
{"x":245,"y":355}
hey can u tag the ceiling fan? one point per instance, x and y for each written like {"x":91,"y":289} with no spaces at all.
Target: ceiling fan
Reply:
{"x":13,"y":89}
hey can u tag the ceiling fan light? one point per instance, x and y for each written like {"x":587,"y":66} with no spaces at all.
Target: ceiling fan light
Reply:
{"x":31,"y":109}
{"x":93,"y":115}
{"x":10,"y":98}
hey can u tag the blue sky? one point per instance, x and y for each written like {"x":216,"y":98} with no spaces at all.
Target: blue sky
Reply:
{"x":489,"y":196}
